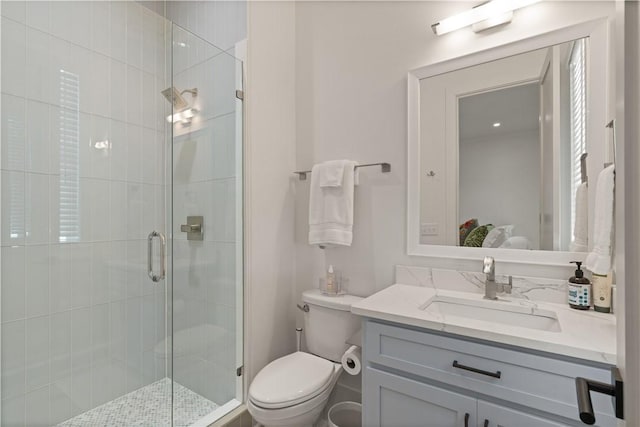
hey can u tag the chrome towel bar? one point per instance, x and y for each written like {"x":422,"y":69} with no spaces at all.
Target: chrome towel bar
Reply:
{"x":385,"y":167}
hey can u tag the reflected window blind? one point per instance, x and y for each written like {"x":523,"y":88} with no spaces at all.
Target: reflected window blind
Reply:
{"x":69,"y":157}
{"x":15,"y":156}
{"x":577,"y":116}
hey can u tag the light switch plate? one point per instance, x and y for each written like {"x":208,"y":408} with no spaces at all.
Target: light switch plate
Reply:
{"x":429,"y":229}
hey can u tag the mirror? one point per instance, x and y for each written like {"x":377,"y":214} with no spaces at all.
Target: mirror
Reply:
{"x":497,"y":142}
{"x":515,"y":172}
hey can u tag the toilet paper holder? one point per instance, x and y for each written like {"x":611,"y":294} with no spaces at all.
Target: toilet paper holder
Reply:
{"x":351,"y":360}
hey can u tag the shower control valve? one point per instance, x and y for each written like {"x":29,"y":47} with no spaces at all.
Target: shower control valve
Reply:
{"x":193,"y":227}
{"x":190,"y":228}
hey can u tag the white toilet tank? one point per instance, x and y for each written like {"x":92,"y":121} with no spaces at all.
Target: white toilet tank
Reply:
{"x":329,"y":323}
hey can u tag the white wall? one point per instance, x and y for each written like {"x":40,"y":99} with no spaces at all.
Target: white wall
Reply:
{"x":628,"y":207}
{"x":351,"y":102}
{"x":498,"y":168}
{"x":269,"y":161}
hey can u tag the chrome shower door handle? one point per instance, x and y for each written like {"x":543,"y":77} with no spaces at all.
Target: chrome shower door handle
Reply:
{"x":163,"y":261}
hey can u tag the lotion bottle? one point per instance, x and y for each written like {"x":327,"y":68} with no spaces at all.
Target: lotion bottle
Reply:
{"x":579,"y":290}
{"x":331,"y":281}
{"x":601,"y":293}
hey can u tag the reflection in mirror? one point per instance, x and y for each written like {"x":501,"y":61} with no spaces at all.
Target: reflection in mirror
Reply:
{"x":499,"y":158}
{"x":500,"y":151}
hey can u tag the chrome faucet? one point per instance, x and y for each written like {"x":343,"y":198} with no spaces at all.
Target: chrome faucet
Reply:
{"x":491,"y":287}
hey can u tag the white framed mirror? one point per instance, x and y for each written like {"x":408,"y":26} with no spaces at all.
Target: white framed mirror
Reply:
{"x":495,"y":140}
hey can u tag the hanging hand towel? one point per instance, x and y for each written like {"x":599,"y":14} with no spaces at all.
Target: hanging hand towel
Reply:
{"x":331,"y":173}
{"x":580,"y":230}
{"x":599,"y":260}
{"x":331,"y":206}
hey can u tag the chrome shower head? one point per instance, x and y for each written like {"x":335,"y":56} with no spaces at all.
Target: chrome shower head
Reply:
{"x":175,"y":98}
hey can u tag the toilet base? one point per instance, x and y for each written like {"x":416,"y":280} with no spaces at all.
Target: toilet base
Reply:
{"x":304,"y":414}
{"x":267,"y":418}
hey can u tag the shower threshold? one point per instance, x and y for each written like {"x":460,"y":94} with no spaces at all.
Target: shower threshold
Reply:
{"x":148,"y":406}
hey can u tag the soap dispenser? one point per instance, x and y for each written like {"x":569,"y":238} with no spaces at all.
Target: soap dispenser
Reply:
{"x":579,"y":289}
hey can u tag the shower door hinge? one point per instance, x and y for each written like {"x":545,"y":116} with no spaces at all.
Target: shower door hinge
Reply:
{"x":239,"y":94}
{"x":239,"y":371}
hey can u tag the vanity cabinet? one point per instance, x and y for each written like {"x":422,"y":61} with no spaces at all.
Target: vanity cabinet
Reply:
{"x":416,"y":377}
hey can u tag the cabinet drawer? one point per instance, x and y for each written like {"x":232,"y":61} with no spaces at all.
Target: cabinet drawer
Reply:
{"x":498,"y":416}
{"x":391,"y":401}
{"x":531,"y":380}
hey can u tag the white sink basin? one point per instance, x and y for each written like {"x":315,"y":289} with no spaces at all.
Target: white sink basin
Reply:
{"x":493,"y":311}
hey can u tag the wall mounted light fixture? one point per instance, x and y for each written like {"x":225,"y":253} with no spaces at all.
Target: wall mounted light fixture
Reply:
{"x":484,"y":16}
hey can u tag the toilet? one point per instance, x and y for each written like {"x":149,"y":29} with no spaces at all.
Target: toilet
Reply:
{"x":294,"y":389}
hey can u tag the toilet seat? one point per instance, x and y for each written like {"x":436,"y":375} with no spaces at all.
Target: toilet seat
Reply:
{"x":290,"y":380}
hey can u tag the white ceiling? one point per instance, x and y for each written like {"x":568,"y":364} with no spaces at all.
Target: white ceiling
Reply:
{"x":515,"y":108}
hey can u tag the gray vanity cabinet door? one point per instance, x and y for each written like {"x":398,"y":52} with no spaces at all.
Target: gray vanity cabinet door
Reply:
{"x":499,"y":416}
{"x":393,"y":401}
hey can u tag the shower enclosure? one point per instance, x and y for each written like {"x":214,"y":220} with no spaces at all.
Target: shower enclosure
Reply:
{"x":121,"y":219}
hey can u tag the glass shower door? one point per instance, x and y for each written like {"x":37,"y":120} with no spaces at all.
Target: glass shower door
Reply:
{"x":82,"y":183}
{"x":206,"y":226}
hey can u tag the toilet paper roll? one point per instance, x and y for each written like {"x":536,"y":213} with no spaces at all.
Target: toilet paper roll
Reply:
{"x":351,"y":360}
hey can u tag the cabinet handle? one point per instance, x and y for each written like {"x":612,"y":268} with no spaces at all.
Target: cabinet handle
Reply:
{"x":486,"y":423}
{"x":584,"y":386}
{"x":466,"y":420}
{"x":496,"y":374}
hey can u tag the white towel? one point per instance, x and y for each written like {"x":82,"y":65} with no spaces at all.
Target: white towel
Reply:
{"x":599,"y":260}
{"x":330,"y":173}
{"x":331,"y":207}
{"x":580,"y":241}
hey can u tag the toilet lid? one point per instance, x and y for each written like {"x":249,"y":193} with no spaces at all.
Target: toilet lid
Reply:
{"x":290,"y":380}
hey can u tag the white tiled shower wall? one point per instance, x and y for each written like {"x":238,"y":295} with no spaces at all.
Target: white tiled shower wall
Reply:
{"x":222,"y":23}
{"x":82,"y":185}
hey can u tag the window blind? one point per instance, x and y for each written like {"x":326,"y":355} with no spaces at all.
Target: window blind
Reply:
{"x":69,"y":131}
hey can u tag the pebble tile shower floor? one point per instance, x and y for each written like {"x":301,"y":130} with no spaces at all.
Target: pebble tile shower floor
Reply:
{"x":149,"y":406}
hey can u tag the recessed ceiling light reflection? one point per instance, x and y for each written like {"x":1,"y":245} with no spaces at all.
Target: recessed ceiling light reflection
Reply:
{"x":184,"y":116}
{"x":497,"y":124}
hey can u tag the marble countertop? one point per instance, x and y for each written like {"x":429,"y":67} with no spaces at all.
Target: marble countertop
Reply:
{"x":583,"y":334}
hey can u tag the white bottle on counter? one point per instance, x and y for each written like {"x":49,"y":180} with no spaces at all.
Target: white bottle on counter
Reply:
{"x":601,"y":292}
{"x":331,"y":281}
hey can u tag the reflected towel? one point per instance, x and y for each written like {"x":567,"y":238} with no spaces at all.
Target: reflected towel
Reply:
{"x":517,"y":242}
{"x":599,"y":260}
{"x":580,"y":241}
{"x":331,"y":207}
